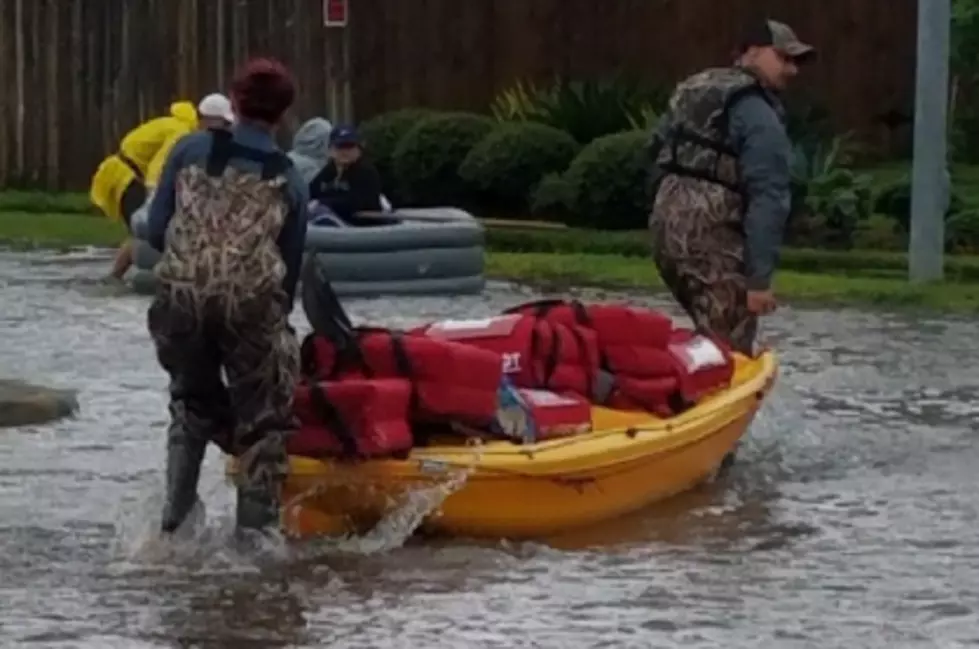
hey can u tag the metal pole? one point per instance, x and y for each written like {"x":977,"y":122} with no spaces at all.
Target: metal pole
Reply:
{"x":930,"y":187}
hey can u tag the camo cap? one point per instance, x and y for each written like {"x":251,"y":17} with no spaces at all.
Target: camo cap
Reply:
{"x":783,"y":38}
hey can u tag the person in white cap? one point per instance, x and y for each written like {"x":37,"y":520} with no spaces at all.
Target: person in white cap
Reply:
{"x":215,"y":112}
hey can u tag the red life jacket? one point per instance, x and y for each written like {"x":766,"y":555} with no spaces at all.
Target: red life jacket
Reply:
{"x":352,"y":419}
{"x":644,"y":359}
{"x":449,"y":381}
{"x":535,"y":353}
{"x":613,"y":324}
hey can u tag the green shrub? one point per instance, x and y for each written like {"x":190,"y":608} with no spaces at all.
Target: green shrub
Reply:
{"x":964,"y":60}
{"x":552,"y":199}
{"x":829,"y":200}
{"x":894,"y":201}
{"x":585,"y":109}
{"x":426,"y":161}
{"x":610,"y":182}
{"x":504,"y":167}
{"x":879,"y":232}
{"x":381,"y":136}
{"x":962,"y":231}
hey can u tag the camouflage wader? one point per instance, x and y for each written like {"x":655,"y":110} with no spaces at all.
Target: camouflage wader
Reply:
{"x":219,"y":307}
{"x":698,"y":239}
{"x":701,"y":260}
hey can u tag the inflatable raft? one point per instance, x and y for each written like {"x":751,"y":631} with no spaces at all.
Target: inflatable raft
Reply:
{"x":503,"y":488}
{"x":436,"y":251}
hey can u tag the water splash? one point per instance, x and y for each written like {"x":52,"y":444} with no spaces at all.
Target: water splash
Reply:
{"x":404,"y":516}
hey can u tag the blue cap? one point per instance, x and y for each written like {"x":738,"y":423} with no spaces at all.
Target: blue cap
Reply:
{"x":344,"y":134}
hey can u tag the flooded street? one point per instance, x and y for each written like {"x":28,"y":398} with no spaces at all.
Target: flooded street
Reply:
{"x":850,"y":520}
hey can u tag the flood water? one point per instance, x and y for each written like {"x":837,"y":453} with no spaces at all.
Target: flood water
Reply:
{"x":849,"y":521}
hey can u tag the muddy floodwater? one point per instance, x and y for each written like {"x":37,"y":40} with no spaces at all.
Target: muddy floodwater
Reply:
{"x":849,"y":521}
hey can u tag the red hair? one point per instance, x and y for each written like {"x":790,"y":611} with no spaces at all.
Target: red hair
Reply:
{"x":263,"y":89}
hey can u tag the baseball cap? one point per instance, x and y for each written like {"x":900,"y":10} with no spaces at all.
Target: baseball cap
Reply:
{"x":772,"y":33}
{"x":344,"y":135}
{"x":216,"y":105}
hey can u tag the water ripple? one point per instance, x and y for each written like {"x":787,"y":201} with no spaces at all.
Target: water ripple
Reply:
{"x":850,"y":520}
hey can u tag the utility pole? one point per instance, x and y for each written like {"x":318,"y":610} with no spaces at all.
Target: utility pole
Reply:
{"x":930,"y":184}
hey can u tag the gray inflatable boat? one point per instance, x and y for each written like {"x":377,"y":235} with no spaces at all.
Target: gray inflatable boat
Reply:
{"x":430,"y":251}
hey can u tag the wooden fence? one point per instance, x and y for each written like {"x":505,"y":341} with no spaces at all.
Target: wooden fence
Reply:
{"x":76,"y":74}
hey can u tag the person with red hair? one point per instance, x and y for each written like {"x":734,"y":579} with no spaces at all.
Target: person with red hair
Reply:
{"x":229,"y":216}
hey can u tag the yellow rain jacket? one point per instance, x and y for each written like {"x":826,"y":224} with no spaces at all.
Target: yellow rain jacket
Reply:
{"x":142,"y":148}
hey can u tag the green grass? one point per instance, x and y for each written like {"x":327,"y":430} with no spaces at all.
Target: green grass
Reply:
{"x":38,"y":230}
{"x":45,"y":202}
{"x":614,"y":260}
{"x":635,"y":243}
{"x":613,"y":271}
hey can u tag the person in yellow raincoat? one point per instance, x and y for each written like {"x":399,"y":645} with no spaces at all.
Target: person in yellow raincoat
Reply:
{"x":213,"y":112}
{"x":119,"y":186}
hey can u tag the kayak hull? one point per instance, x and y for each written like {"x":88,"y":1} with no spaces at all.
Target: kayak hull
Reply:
{"x":502,"y":490}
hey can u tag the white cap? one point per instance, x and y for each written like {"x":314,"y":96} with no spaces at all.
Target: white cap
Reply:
{"x":216,"y":105}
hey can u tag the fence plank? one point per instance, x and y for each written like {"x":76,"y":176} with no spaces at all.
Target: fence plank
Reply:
{"x":79,"y":74}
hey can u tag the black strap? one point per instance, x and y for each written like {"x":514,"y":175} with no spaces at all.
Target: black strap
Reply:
{"x":330,"y":416}
{"x":353,"y":356}
{"x":327,"y":316}
{"x":129,"y":162}
{"x":350,"y":355}
{"x":308,"y":364}
{"x":582,"y":317}
{"x":540,"y":307}
{"x":679,"y":135}
{"x":536,"y":376}
{"x":548,"y":360}
{"x":583,"y":346}
{"x":404,"y":367}
{"x":580,"y":313}
{"x":677,"y":402}
{"x":402,"y":362}
{"x":604,"y":387}
{"x":224,"y":148}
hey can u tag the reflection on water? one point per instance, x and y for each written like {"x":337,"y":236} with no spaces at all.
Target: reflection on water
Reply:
{"x":850,"y":520}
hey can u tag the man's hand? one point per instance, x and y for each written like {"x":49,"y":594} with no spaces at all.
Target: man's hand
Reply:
{"x":761,"y":302}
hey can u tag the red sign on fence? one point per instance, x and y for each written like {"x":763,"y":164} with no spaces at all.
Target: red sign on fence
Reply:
{"x":335,"y":13}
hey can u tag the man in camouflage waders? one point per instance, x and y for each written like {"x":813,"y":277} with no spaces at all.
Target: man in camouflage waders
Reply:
{"x":229,"y":217}
{"x":722,"y":157}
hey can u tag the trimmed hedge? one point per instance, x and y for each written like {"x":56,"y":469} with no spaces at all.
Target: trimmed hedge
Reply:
{"x":609,"y":182}
{"x":552,"y":199}
{"x":381,"y":135}
{"x":962,"y":231}
{"x":894,"y":201}
{"x":426,"y":161}
{"x":503,"y":169}
{"x":636,"y":244}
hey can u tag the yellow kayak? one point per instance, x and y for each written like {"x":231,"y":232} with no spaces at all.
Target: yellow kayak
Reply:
{"x":504,"y":490}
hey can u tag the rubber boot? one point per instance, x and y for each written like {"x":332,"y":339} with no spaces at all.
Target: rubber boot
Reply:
{"x":184,"y":458}
{"x":260,"y":487}
{"x":258,"y":507}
